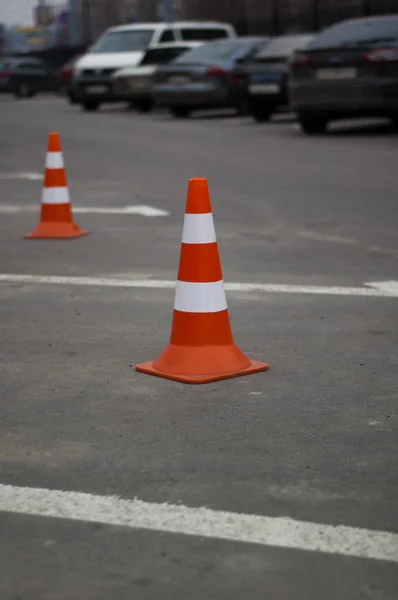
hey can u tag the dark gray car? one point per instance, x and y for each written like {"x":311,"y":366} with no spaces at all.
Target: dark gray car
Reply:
{"x":202,"y":77}
{"x":264,"y":88}
{"x":26,"y":76}
{"x":348,"y":70}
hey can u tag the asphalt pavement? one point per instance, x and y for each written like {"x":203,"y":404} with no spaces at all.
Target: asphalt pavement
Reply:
{"x":313,"y":440}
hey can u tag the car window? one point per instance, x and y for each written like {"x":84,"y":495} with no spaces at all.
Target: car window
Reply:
{"x":213,"y":51}
{"x":5,"y":65}
{"x":360,"y":31}
{"x":283,"y":47}
{"x":157,"y":56}
{"x":167,"y":36}
{"x":123,"y":41}
{"x":202,"y":34}
{"x":30,"y":65}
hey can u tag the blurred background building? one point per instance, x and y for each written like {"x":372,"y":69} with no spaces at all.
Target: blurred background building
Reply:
{"x":39,"y":24}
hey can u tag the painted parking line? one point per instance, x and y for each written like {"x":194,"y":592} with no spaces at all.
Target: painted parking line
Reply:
{"x":279,"y":532}
{"x":386,"y":289}
{"x":26,"y":176}
{"x":138,"y":209}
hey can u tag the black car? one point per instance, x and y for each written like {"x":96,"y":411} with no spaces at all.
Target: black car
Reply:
{"x":25,"y":77}
{"x":202,"y":77}
{"x":348,"y":70}
{"x":264,"y":75}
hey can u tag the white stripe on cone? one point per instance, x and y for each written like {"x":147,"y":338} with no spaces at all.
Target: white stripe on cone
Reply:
{"x":200,"y":297}
{"x":54,"y":160}
{"x":198,"y":229}
{"x":55,"y":195}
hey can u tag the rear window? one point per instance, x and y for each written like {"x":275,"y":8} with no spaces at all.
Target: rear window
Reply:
{"x":135,"y":40}
{"x":283,"y":47}
{"x":360,"y":31}
{"x":162,"y":55}
{"x":213,"y":51}
{"x":201,"y":34}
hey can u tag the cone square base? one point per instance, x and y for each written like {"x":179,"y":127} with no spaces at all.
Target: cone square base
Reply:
{"x":55,"y":231}
{"x":254,"y":367}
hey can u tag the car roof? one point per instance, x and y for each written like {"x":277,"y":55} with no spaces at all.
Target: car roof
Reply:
{"x":184,"y":44}
{"x":185,"y":24}
{"x":22,"y":59}
{"x":374,"y":18}
{"x":294,"y":36}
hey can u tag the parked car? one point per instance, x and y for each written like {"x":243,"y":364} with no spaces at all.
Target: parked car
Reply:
{"x":24,"y":77}
{"x":264,"y":75}
{"x":202,"y":77}
{"x":348,"y":70}
{"x":65,"y":74}
{"x":135,"y":83}
{"x":125,"y":46}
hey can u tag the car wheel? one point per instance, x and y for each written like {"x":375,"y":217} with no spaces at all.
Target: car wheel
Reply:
{"x":394,"y":121}
{"x":261,"y":113}
{"x":23,"y":90}
{"x":90,"y":105}
{"x":179,"y":111}
{"x":145,"y":106}
{"x":313,"y":124}
{"x":71,"y":97}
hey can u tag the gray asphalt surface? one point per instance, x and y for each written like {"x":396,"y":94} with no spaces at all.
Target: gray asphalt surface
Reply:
{"x":315,"y":438}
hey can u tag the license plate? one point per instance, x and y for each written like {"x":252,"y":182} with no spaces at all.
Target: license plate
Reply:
{"x":96,"y":89}
{"x":177,"y":80}
{"x":264,"y":88}
{"x":139,"y":84}
{"x":340,"y":73}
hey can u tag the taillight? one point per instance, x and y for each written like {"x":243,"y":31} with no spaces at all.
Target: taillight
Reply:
{"x":213,"y":71}
{"x":300,"y":59}
{"x":382,"y":55}
{"x":5,"y":74}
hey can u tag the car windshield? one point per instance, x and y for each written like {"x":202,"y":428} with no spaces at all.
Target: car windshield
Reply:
{"x":123,"y":41}
{"x":156,"y":56}
{"x":358,"y":32}
{"x":214,"y":51}
{"x":283,"y":47}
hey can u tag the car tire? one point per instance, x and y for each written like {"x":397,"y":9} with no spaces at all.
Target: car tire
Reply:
{"x":312,"y":124}
{"x":90,"y":105}
{"x":71,"y":97}
{"x":145,"y":106}
{"x":394,"y":121}
{"x":180,"y":111}
{"x":261,"y":114}
{"x":24,"y":90}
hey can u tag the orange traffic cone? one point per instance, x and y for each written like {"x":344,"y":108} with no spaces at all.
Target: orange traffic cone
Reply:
{"x":56,"y":219}
{"x":201,"y":347}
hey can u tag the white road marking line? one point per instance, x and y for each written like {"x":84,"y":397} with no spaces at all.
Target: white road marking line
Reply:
{"x":390,"y":291}
{"x":279,"y":532}
{"x":139,"y":209}
{"x":28,"y":176}
{"x":390,"y":287}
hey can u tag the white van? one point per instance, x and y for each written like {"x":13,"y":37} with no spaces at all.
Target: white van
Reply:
{"x":126,"y":45}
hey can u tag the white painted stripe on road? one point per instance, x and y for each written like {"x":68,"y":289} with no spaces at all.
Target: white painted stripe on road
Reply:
{"x":55,"y":195}
{"x":229,"y":287}
{"x":139,"y":209}
{"x":54,"y":160}
{"x":200,"y":297}
{"x":198,"y":229}
{"x":27,"y":176}
{"x":390,"y":287}
{"x":278,"y":532}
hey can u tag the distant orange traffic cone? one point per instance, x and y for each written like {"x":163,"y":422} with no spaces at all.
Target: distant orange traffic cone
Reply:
{"x":201,"y":347}
{"x":56,"y":219}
